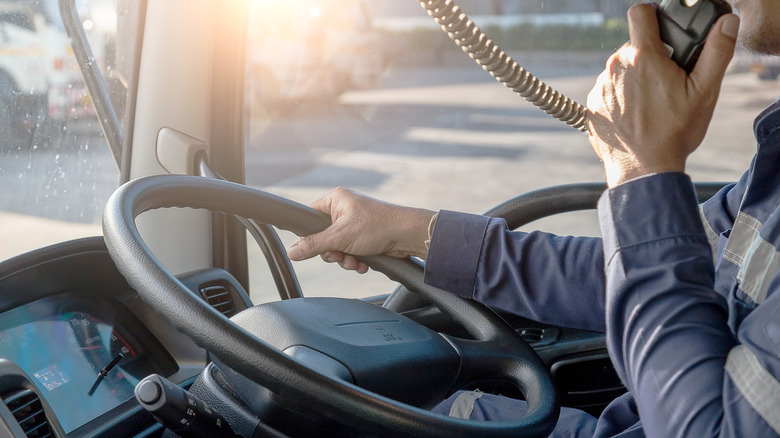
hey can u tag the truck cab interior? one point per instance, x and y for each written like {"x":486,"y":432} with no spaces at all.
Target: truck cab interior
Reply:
{"x":152,"y":183}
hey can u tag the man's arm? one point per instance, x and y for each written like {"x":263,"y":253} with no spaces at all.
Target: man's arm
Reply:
{"x":557,"y":280}
{"x":552,"y":279}
{"x":667,"y":328}
{"x":668,"y":331}
{"x":540,"y":276}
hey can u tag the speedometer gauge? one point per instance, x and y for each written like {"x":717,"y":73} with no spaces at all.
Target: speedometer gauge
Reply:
{"x":97,"y":341}
{"x":100,"y":345}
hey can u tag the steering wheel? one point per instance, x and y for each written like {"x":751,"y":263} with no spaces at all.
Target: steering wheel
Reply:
{"x":346,"y":357}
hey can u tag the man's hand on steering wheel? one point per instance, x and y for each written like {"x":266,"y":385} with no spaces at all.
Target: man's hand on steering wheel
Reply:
{"x":364,"y":226}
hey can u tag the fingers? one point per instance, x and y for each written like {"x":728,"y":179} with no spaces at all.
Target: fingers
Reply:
{"x":643,"y":27}
{"x":312,"y":245}
{"x":357,"y":225}
{"x":716,"y":54}
{"x":329,"y":243}
{"x":346,"y":261}
{"x":332,"y":256}
{"x":298,"y":252}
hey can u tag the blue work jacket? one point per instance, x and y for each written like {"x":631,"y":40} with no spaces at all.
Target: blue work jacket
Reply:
{"x":686,"y":293}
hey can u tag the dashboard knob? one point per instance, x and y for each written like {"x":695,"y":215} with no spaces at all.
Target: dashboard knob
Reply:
{"x":180,"y":411}
{"x":148,"y":392}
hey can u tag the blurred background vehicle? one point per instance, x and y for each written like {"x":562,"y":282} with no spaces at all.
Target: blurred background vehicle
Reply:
{"x":40,"y":81}
{"x":311,"y":50}
{"x":765,"y":67}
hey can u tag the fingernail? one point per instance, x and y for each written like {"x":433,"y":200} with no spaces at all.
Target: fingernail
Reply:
{"x":294,"y":252}
{"x":730,"y":26}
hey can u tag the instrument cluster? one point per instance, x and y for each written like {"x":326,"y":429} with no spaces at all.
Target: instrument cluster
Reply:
{"x":84,"y":353}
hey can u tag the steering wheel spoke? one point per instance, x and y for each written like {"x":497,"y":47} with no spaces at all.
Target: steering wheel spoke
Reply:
{"x":500,"y":359}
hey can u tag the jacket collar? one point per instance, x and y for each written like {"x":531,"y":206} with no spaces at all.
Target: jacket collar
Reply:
{"x":767,"y":123}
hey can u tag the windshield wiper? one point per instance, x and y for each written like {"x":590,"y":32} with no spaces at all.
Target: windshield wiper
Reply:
{"x":109,"y":122}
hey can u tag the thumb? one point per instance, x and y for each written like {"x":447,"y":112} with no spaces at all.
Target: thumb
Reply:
{"x":308,"y":247}
{"x":716,"y":54}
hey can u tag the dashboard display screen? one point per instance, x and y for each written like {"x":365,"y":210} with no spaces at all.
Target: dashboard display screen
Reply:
{"x":63,"y":346}
{"x":51,"y":377}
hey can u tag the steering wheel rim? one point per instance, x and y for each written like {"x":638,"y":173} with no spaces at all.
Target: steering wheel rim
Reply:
{"x":273,"y":369}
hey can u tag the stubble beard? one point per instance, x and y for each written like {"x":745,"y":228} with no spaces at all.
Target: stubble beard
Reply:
{"x":763,"y":39}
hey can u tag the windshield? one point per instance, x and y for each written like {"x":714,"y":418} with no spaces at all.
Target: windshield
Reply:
{"x":372,"y":95}
{"x":57,"y":171}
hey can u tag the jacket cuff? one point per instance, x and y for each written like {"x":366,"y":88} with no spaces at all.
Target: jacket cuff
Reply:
{"x":646,"y":209}
{"x":454,"y":253}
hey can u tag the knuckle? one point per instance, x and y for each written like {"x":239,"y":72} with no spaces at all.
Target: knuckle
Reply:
{"x":340,"y":190}
{"x":614,"y":62}
{"x":308,"y":245}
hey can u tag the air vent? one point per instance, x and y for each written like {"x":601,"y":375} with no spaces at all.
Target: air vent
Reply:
{"x":532,"y":335}
{"x":27,"y":408}
{"x":219,"y":298}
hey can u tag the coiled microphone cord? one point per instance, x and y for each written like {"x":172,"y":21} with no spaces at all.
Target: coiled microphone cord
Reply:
{"x":495,"y":61}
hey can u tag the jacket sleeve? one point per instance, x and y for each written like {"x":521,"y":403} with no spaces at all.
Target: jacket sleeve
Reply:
{"x":540,"y":276}
{"x":557,"y":280}
{"x":667,"y":329}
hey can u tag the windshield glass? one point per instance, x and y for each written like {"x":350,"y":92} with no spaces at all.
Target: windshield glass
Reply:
{"x":373,"y":96}
{"x":57,"y":171}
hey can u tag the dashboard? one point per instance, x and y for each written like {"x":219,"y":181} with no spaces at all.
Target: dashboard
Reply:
{"x":67,"y":316}
{"x":76,"y":336}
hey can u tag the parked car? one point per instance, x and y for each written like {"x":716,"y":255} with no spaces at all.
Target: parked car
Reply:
{"x":39,"y":78}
